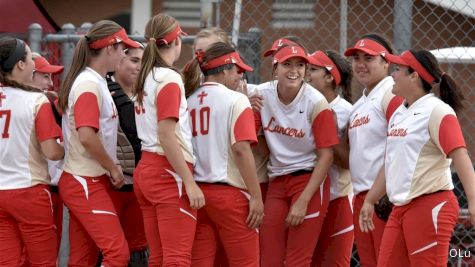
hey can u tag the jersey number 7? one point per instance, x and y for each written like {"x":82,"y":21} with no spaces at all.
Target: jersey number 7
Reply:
{"x":6,"y":126}
{"x":204,"y":114}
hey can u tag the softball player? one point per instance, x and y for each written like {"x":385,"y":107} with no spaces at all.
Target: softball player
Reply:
{"x":367,"y":132}
{"x":42,"y":80}
{"x":28,"y":135}
{"x":424,"y":137}
{"x":328,"y":71}
{"x":300,"y":131}
{"x":163,"y":181}
{"x":120,"y":85}
{"x":223,"y":128}
{"x":91,"y":167}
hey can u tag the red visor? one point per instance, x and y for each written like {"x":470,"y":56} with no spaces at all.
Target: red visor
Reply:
{"x":369,"y":47}
{"x":321,"y":59}
{"x":276,"y":45}
{"x":290,"y":52}
{"x":231,"y":58}
{"x":171,"y":36}
{"x":42,"y":65}
{"x":120,"y":36}
{"x":409,"y":60}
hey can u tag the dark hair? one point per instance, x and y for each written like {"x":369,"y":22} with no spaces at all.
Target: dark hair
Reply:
{"x":7,"y":48}
{"x":293,"y":38}
{"x":449,"y":90}
{"x":82,"y":54}
{"x":192,"y":70}
{"x":157,"y":27}
{"x":380,"y":39}
{"x":346,"y":73}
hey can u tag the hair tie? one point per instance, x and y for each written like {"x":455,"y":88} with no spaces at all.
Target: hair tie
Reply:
{"x":200,"y":55}
{"x":87,"y":38}
{"x":162,"y":41}
{"x":443,"y":74}
{"x":152,"y":39}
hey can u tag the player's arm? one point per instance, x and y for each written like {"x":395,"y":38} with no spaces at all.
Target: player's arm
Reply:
{"x":47,"y":131}
{"x":325,"y":134}
{"x":86,"y":119}
{"x":341,"y":156}
{"x":377,"y":191}
{"x":168,"y":106}
{"x":245,"y":163}
{"x":298,"y":210}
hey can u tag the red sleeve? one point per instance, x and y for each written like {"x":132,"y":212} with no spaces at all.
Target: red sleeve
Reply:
{"x":86,"y":111}
{"x":45,"y":124}
{"x":395,"y":102}
{"x":168,"y":102}
{"x":324,"y":129}
{"x":244,"y":129}
{"x":450,"y":134}
{"x":257,"y":121}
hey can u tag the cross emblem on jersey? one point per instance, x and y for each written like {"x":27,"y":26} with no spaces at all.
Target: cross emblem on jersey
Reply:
{"x":202,"y":96}
{"x":2,"y":96}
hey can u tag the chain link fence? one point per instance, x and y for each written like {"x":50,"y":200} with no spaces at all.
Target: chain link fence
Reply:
{"x":444,"y":26}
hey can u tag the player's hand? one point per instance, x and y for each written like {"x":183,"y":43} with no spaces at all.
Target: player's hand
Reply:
{"x":195,"y":195}
{"x":256,"y":212}
{"x":297,"y":213}
{"x":257,"y":101}
{"x":471,"y":212}
{"x":117,"y":177}
{"x":366,"y":217}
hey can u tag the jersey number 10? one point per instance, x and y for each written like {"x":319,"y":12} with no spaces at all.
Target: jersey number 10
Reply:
{"x":204,"y":114}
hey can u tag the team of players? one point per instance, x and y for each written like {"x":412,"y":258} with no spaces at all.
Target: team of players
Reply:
{"x":196,"y":183}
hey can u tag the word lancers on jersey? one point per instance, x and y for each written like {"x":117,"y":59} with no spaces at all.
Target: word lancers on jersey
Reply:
{"x":398,"y":132}
{"x":359,"y":121}
{"x":292,"y":132}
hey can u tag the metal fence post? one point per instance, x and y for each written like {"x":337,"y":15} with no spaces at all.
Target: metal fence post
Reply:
{"x":35,"y":35}
{"x":252,"y":52}
{"x":67,"y":48}
{"x":402,"y":29}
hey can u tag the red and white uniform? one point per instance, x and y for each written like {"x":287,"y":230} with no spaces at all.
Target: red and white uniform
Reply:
{"x":367,"y":135}
{"x":26,"y":215}
{"x":220,"y":118}
{"x":293,"y":133}
{"x":419,"y":183}
{"x":84,"y":185}
{"x":159,"y":189}
{"x":335,"y":244}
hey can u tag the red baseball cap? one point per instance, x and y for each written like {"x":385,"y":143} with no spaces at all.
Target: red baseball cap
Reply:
{"x":231,"y":58}
{"x":118,"y":37}
{"x":42,"y":65}
{"x":289,"y":52}
{"x":171,"y":36}
{"x":409,"y":60}
{"x":319,"y":58}
{"x":276,"y":45}
{"x":368,"y":46}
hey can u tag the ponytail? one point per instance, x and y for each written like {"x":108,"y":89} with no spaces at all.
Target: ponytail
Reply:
{"x":450,"y":92}
{"x":192,"y":76}
{"x":157,"y":27}
{"x":346,"y":73}
{"x":82,"y":53}
{"x":79,"y":63}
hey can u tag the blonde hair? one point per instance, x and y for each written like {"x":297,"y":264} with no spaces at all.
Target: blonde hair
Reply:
{"x":82,"y":54}
{"x":157,"y":27}
{"x":212,"y":31}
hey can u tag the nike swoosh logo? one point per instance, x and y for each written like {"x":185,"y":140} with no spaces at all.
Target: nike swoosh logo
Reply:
{"x":417,"y":113}
{"x":95,"y":180}
{"x":301,"y":111}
